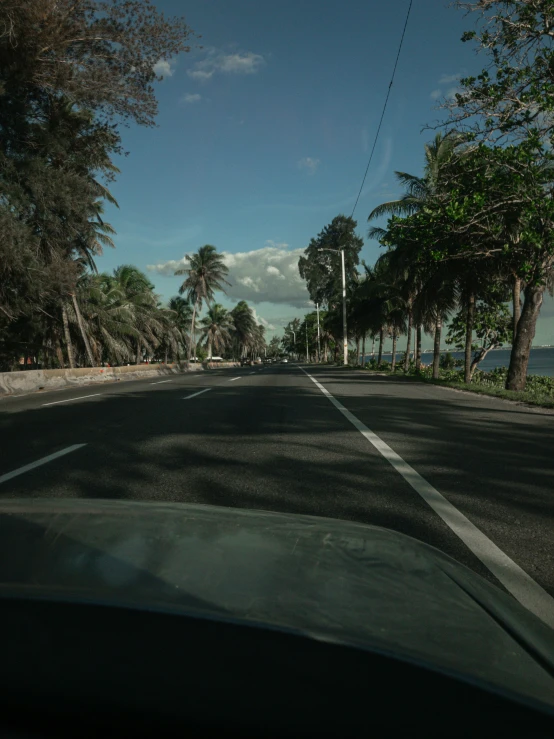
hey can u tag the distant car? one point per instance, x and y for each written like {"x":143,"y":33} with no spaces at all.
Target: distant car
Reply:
{"x":215,"y":359}
{"x":267,"y":360}
{"x":284,"y":361}
{"x":245,"y":363}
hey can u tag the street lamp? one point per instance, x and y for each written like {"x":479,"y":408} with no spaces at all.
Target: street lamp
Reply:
{"x":344,"y":334}
{"x":318,"y":342}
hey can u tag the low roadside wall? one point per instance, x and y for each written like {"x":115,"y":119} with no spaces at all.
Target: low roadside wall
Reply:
{"x":28,"y":381}
{"x":219,"y":365}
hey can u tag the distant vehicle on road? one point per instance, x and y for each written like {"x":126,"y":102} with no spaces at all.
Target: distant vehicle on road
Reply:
{"x":284,"y":360}
{"x":245,"y":362}
{"x":215,"y":359}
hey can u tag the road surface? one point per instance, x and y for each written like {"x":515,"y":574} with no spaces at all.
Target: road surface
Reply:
{"x":467,"y":474}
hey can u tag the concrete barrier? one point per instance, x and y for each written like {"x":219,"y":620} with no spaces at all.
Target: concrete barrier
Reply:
{"x":28,"y":381}
{"x":219,"y":365}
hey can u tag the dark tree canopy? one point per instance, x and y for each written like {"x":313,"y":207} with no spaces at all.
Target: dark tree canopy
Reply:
{"x":321,"y":265}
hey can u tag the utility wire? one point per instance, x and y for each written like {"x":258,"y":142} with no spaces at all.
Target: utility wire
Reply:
{"x":384,"y":108}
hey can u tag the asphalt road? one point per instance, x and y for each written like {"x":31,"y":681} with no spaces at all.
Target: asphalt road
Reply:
{"x":270,"y":438}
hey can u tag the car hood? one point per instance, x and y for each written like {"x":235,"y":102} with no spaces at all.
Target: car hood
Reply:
{"x":327,"y":579}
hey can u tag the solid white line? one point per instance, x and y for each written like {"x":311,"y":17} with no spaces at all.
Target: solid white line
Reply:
{"x":81,"y":397}
{"x":528,"y":592}
{"x":234,"y":378}
{"x":188,"y":397}
{"x":160,"y":382}
{"x":40,"y":462}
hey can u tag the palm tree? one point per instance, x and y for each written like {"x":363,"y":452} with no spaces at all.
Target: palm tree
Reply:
{"x":141,"y":300}
{"x":205,"y":274}
{"x":216,"y":329}
{"x":243,"y":327}
{"x":182,"y":314}
{"x":438,"y":297}
{"x":420,"y":189}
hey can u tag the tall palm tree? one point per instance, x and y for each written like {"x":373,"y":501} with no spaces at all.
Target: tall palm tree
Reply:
{"x":437,"y":299}
{"x":205,"y":274}
{"x":182,"y":314}
{"x":216,"y":329}
{"x":140,"y":297}
{"x":420,"y":189}
{"x":244,"y":325}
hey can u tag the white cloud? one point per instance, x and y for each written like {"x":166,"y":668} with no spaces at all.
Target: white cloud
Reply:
{"x":262,"y":321}
{"x":309,"y":164}
{"x":447,"y":79}
{"x":451,"y":93}
{"x":191,"y":97}
{"x":219,"y":62}
{"x":164,"y":68}
{"x":269,"y":274}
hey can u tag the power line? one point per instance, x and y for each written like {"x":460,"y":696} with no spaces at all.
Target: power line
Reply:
{"x":384,"y":107}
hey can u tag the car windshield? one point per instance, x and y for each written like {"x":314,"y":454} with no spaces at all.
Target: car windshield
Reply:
{"x":291,"y":257}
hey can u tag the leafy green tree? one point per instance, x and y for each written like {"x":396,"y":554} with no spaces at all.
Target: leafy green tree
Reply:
{"x":491,"y":324}
{"x":274,"y":347}
{"x":321,"y":264}
{"x":72,"y":72}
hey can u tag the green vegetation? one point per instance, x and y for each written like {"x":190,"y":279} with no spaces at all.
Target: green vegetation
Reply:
{"x":72,"y":74}
{"x":539,"y":390}
{"x":471,"y":235}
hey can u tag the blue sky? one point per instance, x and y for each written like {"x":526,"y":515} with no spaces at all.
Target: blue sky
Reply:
{"x":264,"y":134}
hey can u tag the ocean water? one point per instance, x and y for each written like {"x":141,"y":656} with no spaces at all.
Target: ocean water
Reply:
{"x":541,"y":361}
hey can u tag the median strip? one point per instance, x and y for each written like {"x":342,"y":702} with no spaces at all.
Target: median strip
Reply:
{"x":81,"y":397}
{"x":188,"y":397}
{"x":40,"y":462}
{"x":528,"y":592}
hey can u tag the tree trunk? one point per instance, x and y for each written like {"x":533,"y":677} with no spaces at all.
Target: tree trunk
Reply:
{"x":82,"y":330}
{"x":191,"y":338}
{"x":59,"y":354}
{"x":470,"y":316}
{"x":210,"y":351}
{"x":516,"y":300}
{"x":418,"y":348}
{"x":479,"y":357}
{"x":409,"y":342}
{"x":393,"y":358}
{"x":67,"y":335}
{"x":373,"y":346}
{"x":363,"y":349}
{"x":357,"y":351}
{"x":380,"y":354}
{"x":138,"y":357}
{"x":437,"y":349}
{"x":521,"y":348}
{"x":166,"y":352}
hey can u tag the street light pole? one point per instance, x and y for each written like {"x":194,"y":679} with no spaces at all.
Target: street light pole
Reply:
{"x":344,"y":333}
{"x":318,"y":342}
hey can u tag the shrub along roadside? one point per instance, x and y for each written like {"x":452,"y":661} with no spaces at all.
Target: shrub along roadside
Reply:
{"x":539,"y":389}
